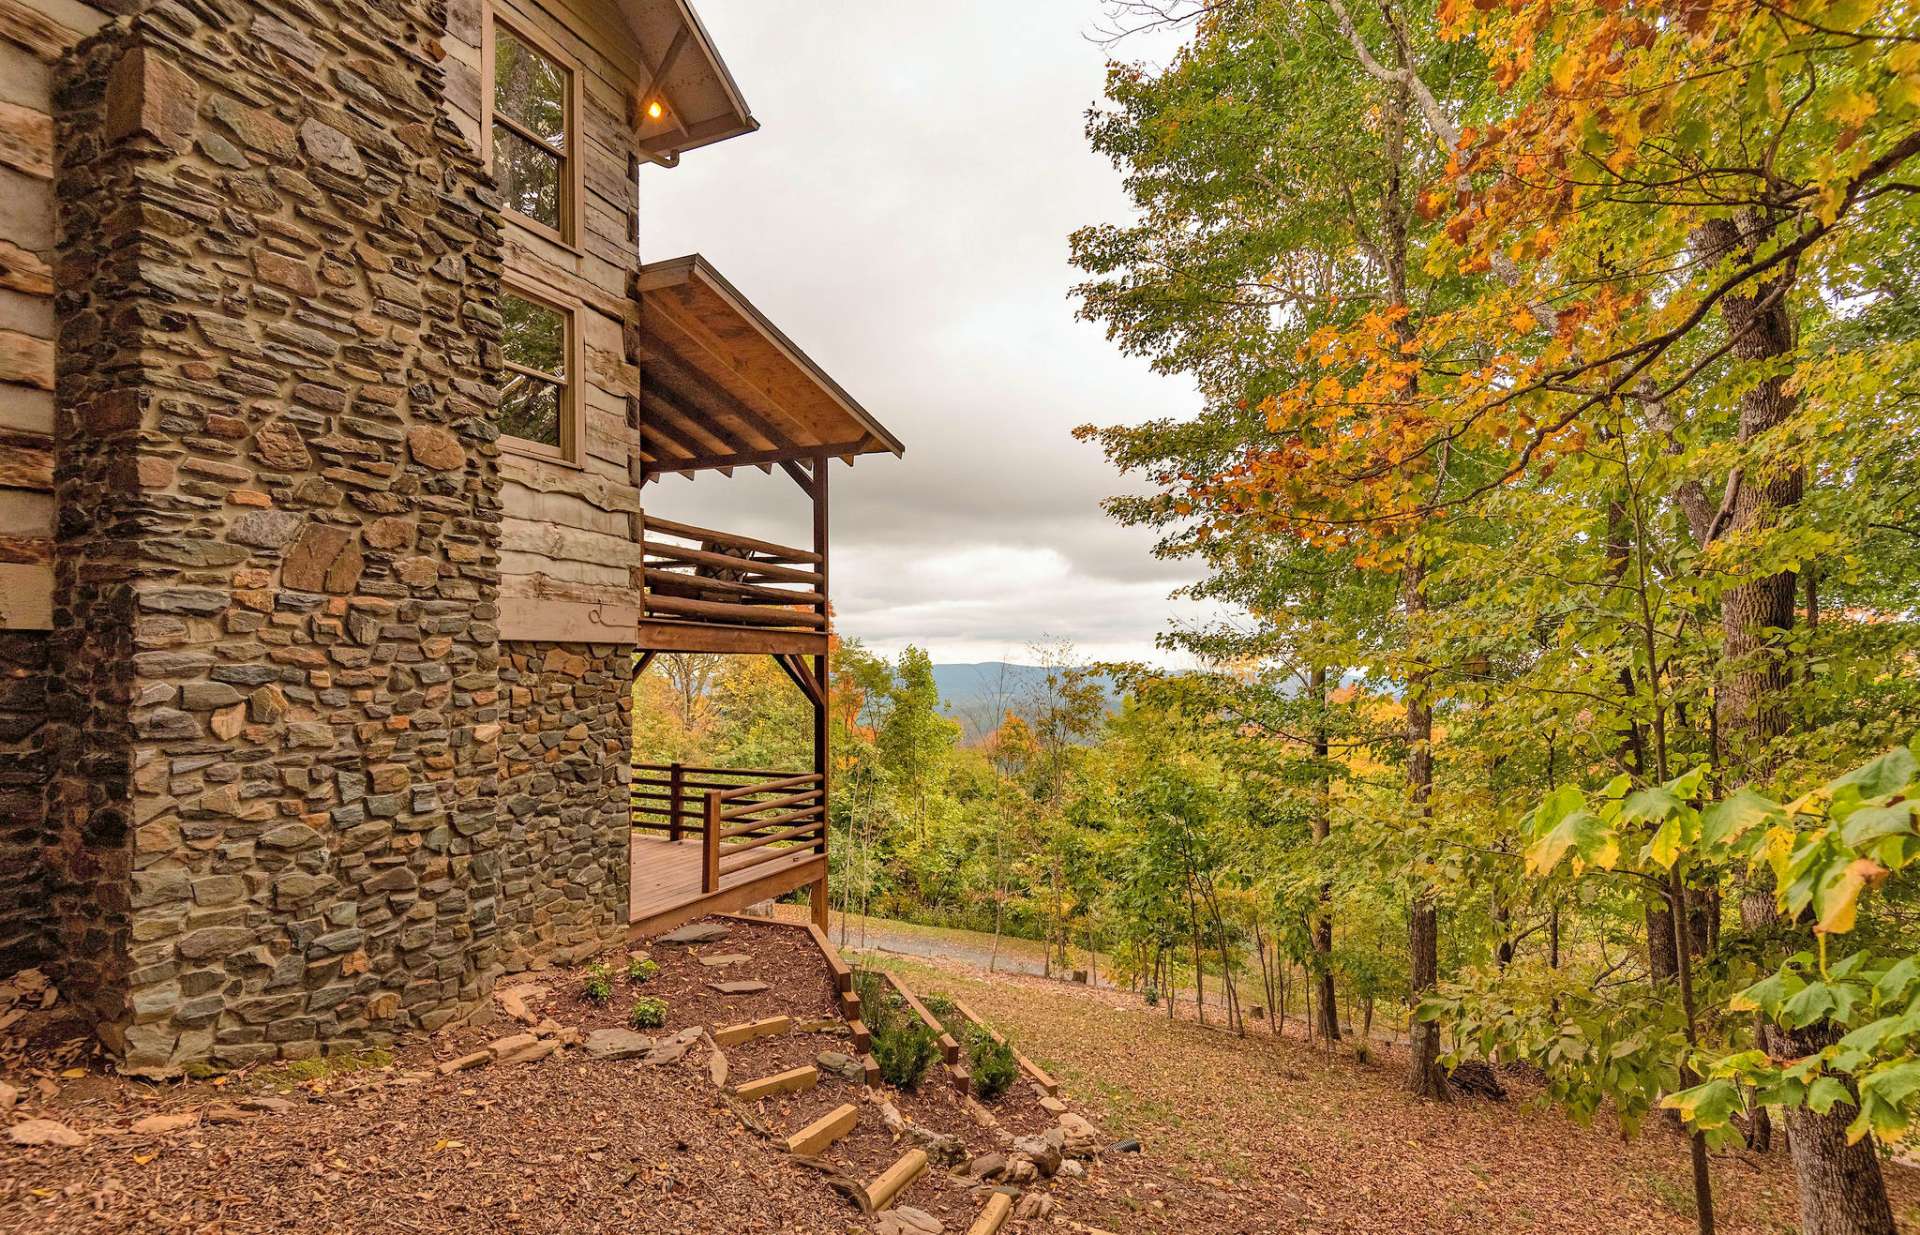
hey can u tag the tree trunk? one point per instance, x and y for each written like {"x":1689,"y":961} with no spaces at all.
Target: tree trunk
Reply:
{"x":1425,"y":1077}
{"x":1841,"y":1188}
{"x":1322,"y":828}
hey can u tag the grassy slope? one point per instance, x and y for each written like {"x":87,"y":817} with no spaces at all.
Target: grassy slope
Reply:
{"x":1266,"y":1134}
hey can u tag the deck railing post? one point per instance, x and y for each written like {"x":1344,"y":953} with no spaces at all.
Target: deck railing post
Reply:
{"x":710,"y":844}
{"x":676,"y":799}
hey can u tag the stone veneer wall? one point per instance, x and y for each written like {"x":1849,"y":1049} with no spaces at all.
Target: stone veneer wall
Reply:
{"x":23,"y":773}
{"x":565,"y":768}
{"x":274,"y":726}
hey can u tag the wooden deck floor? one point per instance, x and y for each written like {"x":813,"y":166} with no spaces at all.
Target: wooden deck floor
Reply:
{"x":666,"y":874}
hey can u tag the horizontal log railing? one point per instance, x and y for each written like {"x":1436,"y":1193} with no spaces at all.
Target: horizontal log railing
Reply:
{"x":669,"y":797}
{"x":765,"y":821}
{"x":697,"y":574}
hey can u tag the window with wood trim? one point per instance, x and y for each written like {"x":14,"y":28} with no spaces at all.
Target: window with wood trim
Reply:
{"x":537,"y":394}
{"x":535,"y":121}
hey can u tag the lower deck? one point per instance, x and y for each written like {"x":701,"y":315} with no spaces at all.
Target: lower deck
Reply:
{"x":665,"y":887}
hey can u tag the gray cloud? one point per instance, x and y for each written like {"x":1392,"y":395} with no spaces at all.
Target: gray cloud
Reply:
{"x":903,"y":215}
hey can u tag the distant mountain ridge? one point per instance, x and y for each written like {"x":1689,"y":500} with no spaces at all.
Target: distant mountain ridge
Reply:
{"x":979,"y":695}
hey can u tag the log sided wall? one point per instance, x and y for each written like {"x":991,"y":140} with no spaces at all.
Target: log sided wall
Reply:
{"x":33,"y":38}
{"x":569,"y":543}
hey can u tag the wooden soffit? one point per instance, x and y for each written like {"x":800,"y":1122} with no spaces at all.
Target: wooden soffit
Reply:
{"x":722,"y":387}
{"x":685,"y":96}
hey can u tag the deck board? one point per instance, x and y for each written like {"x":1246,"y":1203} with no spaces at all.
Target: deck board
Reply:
{"x":666,"y":874}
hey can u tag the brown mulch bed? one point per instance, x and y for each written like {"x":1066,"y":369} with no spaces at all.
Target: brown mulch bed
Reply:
{"x":386,"y":1143}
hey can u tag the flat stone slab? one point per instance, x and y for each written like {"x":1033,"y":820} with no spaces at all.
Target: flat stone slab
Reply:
{"x":722,"y":959}
{"x":617,"y":1044}
{"x":697,"y":932}
{"x":739,"y":988}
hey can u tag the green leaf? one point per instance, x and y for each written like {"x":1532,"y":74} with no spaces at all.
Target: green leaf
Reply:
{"x":1825,"y":1093}
{"x":1812,"y":1004}
{"x":1726,"y":821}
{"x":1870,"y":823}
{"x":1886,"y":775}
{"x":1583,"y":833}
{"x":1649,"y":805}
{"x":1892,"y":985}
{"x":1708,"y":1105}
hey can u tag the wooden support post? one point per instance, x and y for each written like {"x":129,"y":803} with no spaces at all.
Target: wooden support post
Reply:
{"x":676,"y":800}
{"x":710,"y":844}
{"x":817,"y":902}
{"x":822,"y":728}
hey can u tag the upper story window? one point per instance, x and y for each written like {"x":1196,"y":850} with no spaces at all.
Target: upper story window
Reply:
{"x":535,"y":117}
{"x":537,"y":401}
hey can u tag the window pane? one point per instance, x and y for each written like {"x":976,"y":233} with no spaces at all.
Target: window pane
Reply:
{"x":533,"y":336}
{"x":530,"y":88}
{"x":530,"y":408}
{"x":529,"y":176}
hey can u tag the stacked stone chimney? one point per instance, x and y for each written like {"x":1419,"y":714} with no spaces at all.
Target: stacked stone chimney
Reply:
{"x":274,"y":702}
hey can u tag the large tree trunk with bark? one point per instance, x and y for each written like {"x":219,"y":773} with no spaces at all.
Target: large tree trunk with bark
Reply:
{"x":1841,"y":1188}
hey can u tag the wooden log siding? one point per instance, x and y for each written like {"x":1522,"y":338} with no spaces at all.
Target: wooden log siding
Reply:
{"x":749,"y":825}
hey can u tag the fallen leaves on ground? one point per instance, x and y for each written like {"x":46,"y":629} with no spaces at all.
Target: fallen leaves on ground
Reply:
{"x":1267,"y":1134}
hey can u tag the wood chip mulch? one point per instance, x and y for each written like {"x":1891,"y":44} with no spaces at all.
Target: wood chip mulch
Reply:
{"x":567,"y":1144}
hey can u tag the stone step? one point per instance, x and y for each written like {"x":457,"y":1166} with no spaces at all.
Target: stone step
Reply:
{"x":993,"y":1215}
{"x":747,"y":1031}
{"x":823,"y":1131}
{"x":793,"y":1080}
{"x":894,"y":1180}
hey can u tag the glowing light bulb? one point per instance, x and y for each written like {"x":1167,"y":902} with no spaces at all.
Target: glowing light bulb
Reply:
{"x":654,"y":110}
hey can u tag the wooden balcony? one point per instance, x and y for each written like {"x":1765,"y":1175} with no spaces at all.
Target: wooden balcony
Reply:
{"x":710,"y":591}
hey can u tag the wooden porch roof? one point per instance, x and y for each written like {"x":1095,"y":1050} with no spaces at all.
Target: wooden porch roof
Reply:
{"x":686,"y":97}
{"x":722,"y":387}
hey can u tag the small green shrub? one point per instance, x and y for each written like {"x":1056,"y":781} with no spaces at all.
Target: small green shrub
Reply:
{"x":940,"y":1006}
{"x":648,"y":1013}
{"x":994,"y":1067}
{"x":1153,"y":996}
{"x":599,"y":985}
{"x":640,"y":969}
{"x":879,"y":1006}
{"x":904,"y":1051}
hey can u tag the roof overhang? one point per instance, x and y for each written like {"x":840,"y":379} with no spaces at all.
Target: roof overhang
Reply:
{"x":683,"y":79}
{"x":723,"y":387}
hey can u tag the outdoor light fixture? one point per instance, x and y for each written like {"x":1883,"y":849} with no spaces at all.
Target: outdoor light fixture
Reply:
{"x":654,"y":110}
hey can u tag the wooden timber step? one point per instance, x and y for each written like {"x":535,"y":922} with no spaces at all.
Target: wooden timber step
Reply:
{"x":793,"y":1080}
{"x":862,"y":1036}
{"x":823,"y":1131}
{"x":892,"y":1181}
{"x":747,"y":1031}
{"x":993,"y":1215}
{"x":872,"y":1067}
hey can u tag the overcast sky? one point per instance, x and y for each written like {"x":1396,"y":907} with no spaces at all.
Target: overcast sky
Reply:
{"x":903,"y":215}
